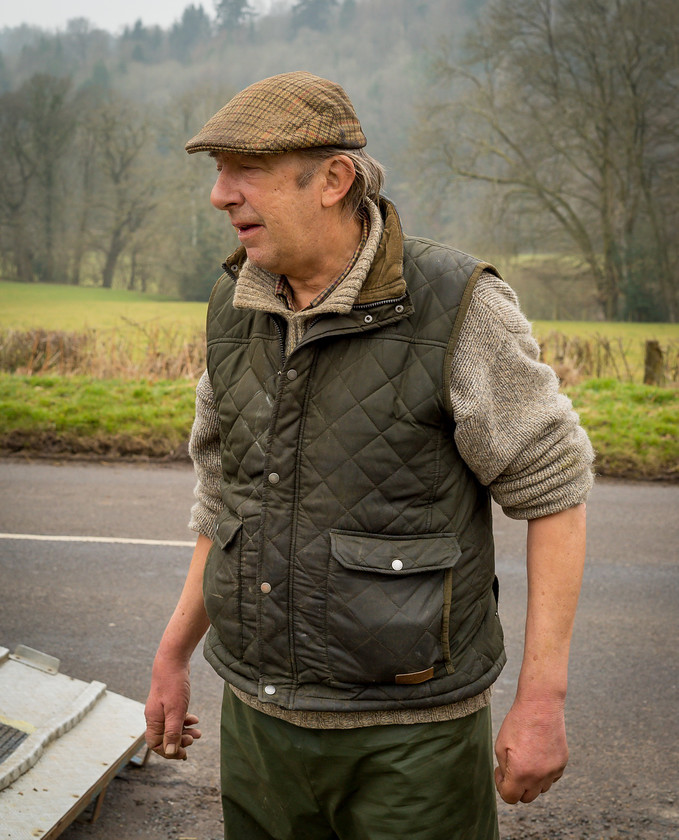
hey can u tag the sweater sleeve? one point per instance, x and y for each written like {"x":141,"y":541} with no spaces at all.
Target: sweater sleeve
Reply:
{"x":517,"y":433}
{"x":204,"y":451}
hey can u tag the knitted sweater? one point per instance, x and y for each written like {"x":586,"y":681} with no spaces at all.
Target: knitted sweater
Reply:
{"x":515,"y":431}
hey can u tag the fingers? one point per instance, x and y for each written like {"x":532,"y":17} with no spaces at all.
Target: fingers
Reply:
{"x":521,"y":790}
{"x":168,"y":742}
{"x":189,"y":727}
{"x":175,"y":743}
{"x":510,"y":792}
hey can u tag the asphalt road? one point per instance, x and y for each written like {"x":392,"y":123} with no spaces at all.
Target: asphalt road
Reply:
{"x":101,"y":608}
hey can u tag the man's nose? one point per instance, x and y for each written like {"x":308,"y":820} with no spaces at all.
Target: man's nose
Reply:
{"x":225,"y":192}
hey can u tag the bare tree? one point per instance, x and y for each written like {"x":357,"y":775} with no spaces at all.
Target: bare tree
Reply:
{"x":84,"y":176}
{"x":36,"y":125}
{"x":569,"y":106}
{"x":192,"y":239}
{"x":127,"y":190}
{"x":52,"y":128}
{"x":17,"y":168}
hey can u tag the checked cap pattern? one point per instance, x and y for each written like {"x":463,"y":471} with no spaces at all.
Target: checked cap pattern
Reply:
{"x":280,"y":114}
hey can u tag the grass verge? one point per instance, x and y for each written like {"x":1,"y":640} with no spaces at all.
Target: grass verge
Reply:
{"x":106,"y":418}
{"x":634,"y":428}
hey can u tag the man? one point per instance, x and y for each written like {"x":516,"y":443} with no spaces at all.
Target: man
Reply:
{"x":365,"y":393}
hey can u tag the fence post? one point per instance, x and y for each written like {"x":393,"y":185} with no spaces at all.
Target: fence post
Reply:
{"x":653,"y":364}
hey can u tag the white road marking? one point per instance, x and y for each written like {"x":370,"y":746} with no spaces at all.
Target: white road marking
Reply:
{"x":124,"y":540}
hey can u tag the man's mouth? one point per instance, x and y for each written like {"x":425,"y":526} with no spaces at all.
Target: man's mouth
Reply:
{"x":244,"y":229}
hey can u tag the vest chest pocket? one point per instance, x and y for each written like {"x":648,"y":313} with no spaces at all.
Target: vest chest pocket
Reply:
{"x":222,"y":582}
{"x":388,"y":606}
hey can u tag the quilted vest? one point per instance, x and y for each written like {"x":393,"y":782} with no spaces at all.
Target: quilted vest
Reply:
{"x":352,"y":567}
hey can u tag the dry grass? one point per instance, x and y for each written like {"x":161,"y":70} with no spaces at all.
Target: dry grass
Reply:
{"x":141,"y":352}
{"x":155,"y":352}
{"x":105,"y":333}
{"x":576,"y":358}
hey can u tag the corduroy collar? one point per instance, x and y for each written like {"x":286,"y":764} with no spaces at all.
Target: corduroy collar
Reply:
{"x":385,"y":278}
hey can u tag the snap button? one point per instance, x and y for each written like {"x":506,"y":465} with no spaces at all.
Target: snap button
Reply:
{"x":397,"y":565}
{"x":274,"y":478}
{"x":292,"y":375}
{"x":269,"y":689}
{"x":266,"y":588}
{"x":234,"y":268}
{"x":368,"y":319}
{"x":399,"y":308}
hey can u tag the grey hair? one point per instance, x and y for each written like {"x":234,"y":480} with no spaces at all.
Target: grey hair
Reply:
{"x":367,"y":183}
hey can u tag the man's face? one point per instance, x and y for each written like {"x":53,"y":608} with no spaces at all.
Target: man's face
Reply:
{"x":279,"y":223}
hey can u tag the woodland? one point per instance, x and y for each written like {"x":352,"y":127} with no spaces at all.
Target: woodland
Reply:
{"x":542,"y":135}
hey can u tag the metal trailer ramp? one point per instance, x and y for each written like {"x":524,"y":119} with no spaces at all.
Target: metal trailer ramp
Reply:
{"x":62,"y":741}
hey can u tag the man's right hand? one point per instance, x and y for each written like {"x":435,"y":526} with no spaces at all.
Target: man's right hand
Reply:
{"x":170,"y":730}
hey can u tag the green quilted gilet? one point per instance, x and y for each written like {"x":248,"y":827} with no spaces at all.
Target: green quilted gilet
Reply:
{"x":353,"y":562}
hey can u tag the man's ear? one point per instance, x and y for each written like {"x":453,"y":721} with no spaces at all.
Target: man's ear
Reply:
{"x":339,"y":176}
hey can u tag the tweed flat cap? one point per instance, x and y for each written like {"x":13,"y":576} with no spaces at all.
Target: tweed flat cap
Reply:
{"x":280,"y":114}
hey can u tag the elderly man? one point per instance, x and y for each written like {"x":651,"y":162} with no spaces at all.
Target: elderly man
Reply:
{"x":366,"y":393}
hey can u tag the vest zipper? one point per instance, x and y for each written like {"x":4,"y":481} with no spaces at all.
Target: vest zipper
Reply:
{"x":355,"y":306}
{"x":379,"y":303}
{"x":281,"y":340}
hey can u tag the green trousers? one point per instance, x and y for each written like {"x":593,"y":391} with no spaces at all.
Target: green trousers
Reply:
{"x":430,"y":781}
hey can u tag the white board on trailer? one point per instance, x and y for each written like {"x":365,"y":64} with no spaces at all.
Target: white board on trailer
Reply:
{"x":74,"y":767}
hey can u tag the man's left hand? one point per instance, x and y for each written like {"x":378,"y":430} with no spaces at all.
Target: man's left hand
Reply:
{"x":531,"y":750}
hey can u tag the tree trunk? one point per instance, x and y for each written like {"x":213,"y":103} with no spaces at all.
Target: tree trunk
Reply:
{"x":22,"y":257}
{"x":114,"y":251}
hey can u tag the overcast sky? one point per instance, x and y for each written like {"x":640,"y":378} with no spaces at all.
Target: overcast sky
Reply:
{"x":113,"y":16}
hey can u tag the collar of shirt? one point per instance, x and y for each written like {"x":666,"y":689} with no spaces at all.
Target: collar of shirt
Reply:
{"x":282,"y":288}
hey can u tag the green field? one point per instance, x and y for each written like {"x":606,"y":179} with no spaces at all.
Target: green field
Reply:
{"x":610,"y":329}
{"x":129,"y":393}
{"x":26,"y":306}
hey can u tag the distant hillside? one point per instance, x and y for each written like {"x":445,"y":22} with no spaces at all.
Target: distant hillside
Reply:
{"x":120,"y":203}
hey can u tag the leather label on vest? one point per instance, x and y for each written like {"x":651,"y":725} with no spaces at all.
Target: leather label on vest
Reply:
{"x":415,"y":677}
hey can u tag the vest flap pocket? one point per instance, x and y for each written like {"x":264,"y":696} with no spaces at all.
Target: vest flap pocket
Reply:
{"x":227,"y":527}
{"x":392,"y":555}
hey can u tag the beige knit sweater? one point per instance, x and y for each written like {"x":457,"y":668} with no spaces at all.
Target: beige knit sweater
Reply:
{"x":513,"y":428}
